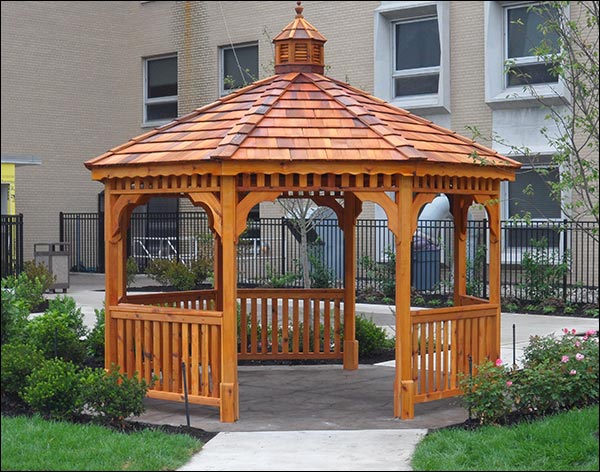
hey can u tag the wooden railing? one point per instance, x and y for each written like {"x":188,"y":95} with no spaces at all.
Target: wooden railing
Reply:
{"x":154,"y":341}
{"x":443,"y":339}
{"x":290,"y":324}
{"x":192,"y":300}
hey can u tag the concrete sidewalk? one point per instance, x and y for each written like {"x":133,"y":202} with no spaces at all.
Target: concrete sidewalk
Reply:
{"x":320,"y":417}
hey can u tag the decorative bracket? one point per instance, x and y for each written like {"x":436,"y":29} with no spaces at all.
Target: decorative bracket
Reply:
{"x":212,"y":206}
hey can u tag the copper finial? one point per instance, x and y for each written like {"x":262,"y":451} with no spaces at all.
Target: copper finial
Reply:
{"x":299,"y":10}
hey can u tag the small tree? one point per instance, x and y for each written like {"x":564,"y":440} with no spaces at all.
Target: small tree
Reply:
{"x":305,"y":216}
{"x":570,"y":47}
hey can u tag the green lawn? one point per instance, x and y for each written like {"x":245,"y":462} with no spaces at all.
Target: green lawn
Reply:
{"x":568,"y":441}
{"x":36,"y":444}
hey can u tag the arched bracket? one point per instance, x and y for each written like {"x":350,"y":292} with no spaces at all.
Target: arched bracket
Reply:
{"x":333,"y":204}
{"x":492,"y":209}
{"x":459,"y":207}
{"x":419,"y":200}
{"x":121,"y":212}
{"x":212,"y":206}
{"x":385,"y":202}
{"x":246,"y":204}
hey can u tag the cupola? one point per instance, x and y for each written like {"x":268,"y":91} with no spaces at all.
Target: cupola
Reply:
{"x":299,"y":47}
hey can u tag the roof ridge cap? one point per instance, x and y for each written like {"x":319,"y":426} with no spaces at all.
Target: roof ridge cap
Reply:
{"x":235,"y":137}
{"x":398,"y":147}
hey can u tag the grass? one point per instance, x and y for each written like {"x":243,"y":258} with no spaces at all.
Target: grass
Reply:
{"x":567,"y":441}
{"x":37,"y":444}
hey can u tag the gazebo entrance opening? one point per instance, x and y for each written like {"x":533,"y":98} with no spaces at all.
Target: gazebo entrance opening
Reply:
{"x":298,"y":133}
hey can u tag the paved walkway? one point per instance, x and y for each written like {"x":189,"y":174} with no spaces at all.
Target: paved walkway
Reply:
{"x":320,"y":417}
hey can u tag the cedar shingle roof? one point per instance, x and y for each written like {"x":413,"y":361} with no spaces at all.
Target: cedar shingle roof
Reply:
{"x":300,"y":116}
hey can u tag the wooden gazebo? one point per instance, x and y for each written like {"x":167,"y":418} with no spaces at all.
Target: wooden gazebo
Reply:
{"x":297,"y":134}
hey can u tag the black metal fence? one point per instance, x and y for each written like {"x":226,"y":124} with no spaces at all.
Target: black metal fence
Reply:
{"x":12,"y":244}
{"x":539,"y":259}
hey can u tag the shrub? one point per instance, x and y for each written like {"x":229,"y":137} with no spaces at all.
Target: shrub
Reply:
{"x":59,"y":331}
{"x":486,"y":392}
{"x":542,"y":274}
{"x":30,"y":292}
{"x":177,"y":274}
{"x":18,"y":361}
{"x":40,"y":271}
{"x":95,"y":340}
{"x":557,"y":373}
{"x":14,"y":315}
{"x":371,"y":338}
{"x":114,"y":396}
{"x":132,"y":270}
{"x":55,"y":389}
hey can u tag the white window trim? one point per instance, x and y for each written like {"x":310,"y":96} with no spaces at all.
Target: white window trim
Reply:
{"x":386,"y":17}
{"x":222,"y":91}
{"x":157,"y":100}
{"x":497,"y":94}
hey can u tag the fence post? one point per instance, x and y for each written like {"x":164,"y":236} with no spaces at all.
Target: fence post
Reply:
{"x":20,"y":244}
{"x":565,"y":259}
{"x":61,"y":229}
{"x":101,"y":243}
{"x":485,"y":264}
{"x":283,"y":248}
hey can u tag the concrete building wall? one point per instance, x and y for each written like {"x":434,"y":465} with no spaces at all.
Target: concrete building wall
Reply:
{"x":72,"y":89}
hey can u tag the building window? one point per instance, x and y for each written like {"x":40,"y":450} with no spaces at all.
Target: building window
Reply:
{"x":412,"y":55}
{"x":417,"y":57}
{"x":239,"y":67}
{"x":530,"y":195}
{"x":160,"y":89}
{"x":523,"y":35}
{"x":529,"y":77}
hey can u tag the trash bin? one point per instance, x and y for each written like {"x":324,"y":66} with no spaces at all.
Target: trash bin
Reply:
{"x":425,"y":263}
{"x":55,"y":256}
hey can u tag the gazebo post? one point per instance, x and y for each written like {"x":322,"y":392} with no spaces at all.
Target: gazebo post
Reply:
{"x":218,"y":268}
{"x":459,"y":208}
{"x":404,"y":387}
{"x":111,"y":271}
{"x":228,"y":299}
{"x":494,"y":267}
{"x":350,"y":342}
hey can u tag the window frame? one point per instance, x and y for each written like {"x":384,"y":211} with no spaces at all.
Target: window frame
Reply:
{"x":386,"y":16}
{"x":414,"y":72}
{"x":157,"y":100}
{"x":497,"y":94}
{"x":222,"y":49}
{"x":522,"y":60}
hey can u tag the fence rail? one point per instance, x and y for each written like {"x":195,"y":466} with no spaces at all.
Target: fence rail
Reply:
{"x":539,"y":259}
{"x":12,"y":244}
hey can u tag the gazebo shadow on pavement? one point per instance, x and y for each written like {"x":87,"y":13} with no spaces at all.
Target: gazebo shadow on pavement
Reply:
{"x":298,"y":134}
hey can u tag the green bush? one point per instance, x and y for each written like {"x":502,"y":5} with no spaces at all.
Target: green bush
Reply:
{"x":28,"y":291}
{"x":114,"y":396}
{"x":486,"y":392}
{"x":177,"y":274}
{"x":14,"y":315}
{"x":59,"y":331}
{"x":132,"y":270}
{"x":371,"y":338}
{"x":542,"y":273}
{"x":18,"y":361}
{"x":95,"y":340}
{"x":557,"y":373}
{"x":55,"y":389}
{"x":40,"y":271}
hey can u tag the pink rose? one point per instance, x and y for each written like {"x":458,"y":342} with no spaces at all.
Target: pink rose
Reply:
{"x":572,"y":372}
{"x":577,"y":344}
{"x":508,"y":383}
{"x":579,"y":356}
{"x":565,"y":359}
{"x":566,"y":330}
{"x":573,"y":331}
{"x":498,"y":362}
{"x":590,"y":332}
{"x":586,"y":337}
